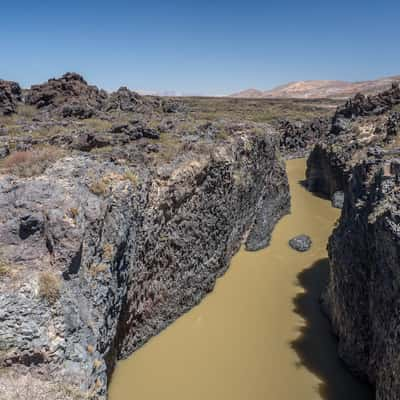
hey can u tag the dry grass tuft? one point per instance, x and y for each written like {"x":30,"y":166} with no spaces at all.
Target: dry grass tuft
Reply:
{"x":49,"y":286}
{"x":102,"y":186}
{"x":108,"y":251}
{"x":5,"y":270}
{"x":97,"y":124}
{"x":132,"y":177}
{"x":99,"y":187}
{"x":98,"y":268}
{"x":30,"y":163}
{"x":74,"y":212}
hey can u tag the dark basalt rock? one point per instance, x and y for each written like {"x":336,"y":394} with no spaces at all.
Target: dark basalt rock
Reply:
{"x":360,"y":159}
{"x":10,"y":95}
{"x":135,"y":130}
{"x":129,"y":101}
{"x":300,"y":243}
{"x":297,"y":138}
{"x":70,"y":96}
{"x":30,"y":224}
{"x":76,"y":110}
{"x":338,"y":199}
{"x":363,"y":106}
{"x":4,"y":151}
{"x":171,"y":107}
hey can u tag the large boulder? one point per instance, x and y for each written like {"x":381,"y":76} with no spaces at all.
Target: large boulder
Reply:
{"x":300,"y":243}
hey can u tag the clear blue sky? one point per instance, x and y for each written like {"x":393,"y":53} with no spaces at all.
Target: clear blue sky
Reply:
{"x":207,"y":47}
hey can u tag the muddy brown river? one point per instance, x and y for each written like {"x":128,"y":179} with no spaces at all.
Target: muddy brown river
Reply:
{"x":260,"y":334}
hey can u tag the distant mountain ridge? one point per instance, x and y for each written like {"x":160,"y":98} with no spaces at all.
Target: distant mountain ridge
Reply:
{"x":315,"y":89}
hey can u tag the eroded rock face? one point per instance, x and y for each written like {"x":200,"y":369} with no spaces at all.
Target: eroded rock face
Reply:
{"x":362,"y":297}
{"x":298,"y":138}
{"x":363,"y":294}
{"x":365,"y":106}
{"x":98,"y":254}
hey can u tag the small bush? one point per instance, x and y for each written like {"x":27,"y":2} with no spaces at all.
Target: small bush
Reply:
{"x":132,"y":177}
{"x":99,"y":187}
{"x":30,"y":163}
{"x":108,"y":251}
{"x":5,"y":270}
{"x":49,"y":286}
{"x":98,"y":268}
{"x":74,"y":212}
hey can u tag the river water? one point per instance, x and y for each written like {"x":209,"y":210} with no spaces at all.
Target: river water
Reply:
{"x":260,"y":334}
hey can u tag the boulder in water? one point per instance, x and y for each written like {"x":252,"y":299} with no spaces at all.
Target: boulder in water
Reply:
{"x":338,"y":199}
{"x":300,"y":243}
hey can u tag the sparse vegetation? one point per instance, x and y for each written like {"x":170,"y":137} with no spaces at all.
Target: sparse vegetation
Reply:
{"x":49,"y":286}
{"x":74,"y":212}
{"x":5,"y":270}
{"x":98,"y":268}
{"x":396,"y":108}
{"x":97,"y":124}
{"x":15,"y":386}
{"x":99,"y":187}
{"x":108,"y":251}
{"x":102,"y":150}
{"x":256,"y":110}
{"x":132,"y":177}
{"x":30,"y":163}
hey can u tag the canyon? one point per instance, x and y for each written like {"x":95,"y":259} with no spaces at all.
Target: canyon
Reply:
{"x":119,"y":212}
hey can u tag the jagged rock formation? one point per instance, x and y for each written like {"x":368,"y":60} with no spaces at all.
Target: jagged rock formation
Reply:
{"x":10,"y":95}
{"x":70,"y":95}
{"x":108,"y":235}
{"x":360,"y":157}
{"x":298,"y":138}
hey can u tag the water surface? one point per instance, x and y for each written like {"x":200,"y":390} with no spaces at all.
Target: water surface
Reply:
{"x":260,"y":334}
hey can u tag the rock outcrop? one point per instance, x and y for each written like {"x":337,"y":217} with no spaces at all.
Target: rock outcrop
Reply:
{"x":70,"y":95}
{"x":298,"y":137}
{"x":10,"y":95}
{"x":360,"y":158}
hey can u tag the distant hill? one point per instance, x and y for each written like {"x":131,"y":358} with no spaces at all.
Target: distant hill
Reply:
{"x":320,"y":89}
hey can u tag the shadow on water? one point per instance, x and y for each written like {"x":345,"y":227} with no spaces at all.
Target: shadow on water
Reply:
{"x":317,"y":347}
{"x":303,"y":183}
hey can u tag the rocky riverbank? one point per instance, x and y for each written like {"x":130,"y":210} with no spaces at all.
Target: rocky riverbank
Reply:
{"x":118,"y":214}
{"x":360,"y":157}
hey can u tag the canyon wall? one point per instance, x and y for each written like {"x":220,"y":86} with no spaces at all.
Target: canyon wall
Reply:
{"x":363,"y":294}
{"x":98,"y":255}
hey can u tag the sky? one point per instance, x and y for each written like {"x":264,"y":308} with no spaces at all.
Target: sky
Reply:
{"x":199,"y":47}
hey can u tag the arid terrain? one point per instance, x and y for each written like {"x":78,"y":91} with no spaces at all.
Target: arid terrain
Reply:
{"x":119,"y":212}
